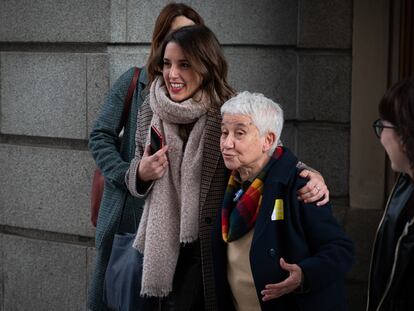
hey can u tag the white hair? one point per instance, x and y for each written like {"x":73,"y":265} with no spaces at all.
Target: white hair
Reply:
{"x":266,"y":115}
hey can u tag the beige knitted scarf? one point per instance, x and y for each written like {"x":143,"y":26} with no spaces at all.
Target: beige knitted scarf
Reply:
{"x":171,"y":210}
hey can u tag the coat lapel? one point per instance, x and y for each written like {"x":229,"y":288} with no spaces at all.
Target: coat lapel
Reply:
{"x":272,"y":192}
{"x":211,"y":153}
{"x":275,"y":187}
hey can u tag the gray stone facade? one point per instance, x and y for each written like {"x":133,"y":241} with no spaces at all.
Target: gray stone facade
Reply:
{"x":57,"y":61}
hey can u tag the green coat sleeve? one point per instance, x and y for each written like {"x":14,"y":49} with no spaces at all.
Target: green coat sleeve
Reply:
{"x":104,"y":141}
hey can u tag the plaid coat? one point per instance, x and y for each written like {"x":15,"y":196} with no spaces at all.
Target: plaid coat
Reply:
{"x":212,"y":186}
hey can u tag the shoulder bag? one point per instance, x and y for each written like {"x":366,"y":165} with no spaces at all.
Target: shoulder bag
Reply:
{"x":123,"y":275}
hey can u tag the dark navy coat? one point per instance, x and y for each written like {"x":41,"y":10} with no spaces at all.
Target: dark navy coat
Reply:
{"x":307,"y":235}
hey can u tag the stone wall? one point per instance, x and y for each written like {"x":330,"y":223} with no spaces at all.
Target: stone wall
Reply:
{"x":57,"y":61}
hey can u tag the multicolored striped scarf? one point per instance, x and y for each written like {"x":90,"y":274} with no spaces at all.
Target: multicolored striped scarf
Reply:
{"x":240,"y":210}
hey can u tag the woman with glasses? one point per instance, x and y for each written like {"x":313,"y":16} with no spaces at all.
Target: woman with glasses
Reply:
{"x":391,"y":275}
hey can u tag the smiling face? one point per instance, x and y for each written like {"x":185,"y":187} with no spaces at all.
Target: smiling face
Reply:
{"x":180,"y":78}
{"x":393,"y":146}
{"x":242,"y":147}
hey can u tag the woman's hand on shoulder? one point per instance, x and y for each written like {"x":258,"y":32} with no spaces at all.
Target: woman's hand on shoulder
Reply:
{"x":152,"y":167}
{"x":315,"y":189}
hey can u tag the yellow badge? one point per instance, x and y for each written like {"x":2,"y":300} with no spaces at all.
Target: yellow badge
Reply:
{"x":278,"y":213}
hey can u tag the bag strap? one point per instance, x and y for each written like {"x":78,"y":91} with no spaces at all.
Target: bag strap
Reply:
{"x":127,"y":108}
{"x":128,"y":98}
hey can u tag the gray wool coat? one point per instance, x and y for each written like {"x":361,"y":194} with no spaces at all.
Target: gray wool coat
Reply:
{"x":103,"y":147}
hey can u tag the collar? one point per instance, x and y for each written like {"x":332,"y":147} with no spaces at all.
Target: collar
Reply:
{"x":282,"y":169}
{"x":143,"y":80}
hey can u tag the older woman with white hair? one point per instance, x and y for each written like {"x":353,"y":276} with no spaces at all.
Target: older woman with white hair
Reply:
{"x":272,"y":251}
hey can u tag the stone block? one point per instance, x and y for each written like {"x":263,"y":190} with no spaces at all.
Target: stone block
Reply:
{"x":118,"y":20}
{"x":46,"y":189}
{"x":340,"y":207}
{"x":123,"y":58}
{"x":325,"y":24}
{"x":43,"y":94}
{"x":361,"y":225}
{"x":326,"y":149}
{"x":269,"y":22}
{"x":43,"y":275}
{"x":268,"y":71}
{"x":140,"y":17}
{"x":97,"y":85}
{"x":54,"y":21}
{"x":289,"y":136}
{"x":324,"y":87}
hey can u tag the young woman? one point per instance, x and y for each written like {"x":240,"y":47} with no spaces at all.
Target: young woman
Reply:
{"x":392,"y":264}
{"x":188,"y":84}
{"x":113,"y":158}
{"x":114,"y":161}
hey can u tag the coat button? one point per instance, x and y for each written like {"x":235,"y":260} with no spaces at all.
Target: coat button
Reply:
{"x":272,"y":252}
{"x":207,"y":220}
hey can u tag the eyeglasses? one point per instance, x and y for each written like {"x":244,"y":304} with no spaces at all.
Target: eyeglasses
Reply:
{"x":379,"y":126}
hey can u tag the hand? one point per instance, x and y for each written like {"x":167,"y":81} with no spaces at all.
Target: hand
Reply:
{"x":273,"y":291}
{"x":314,"y":190}
{"x":154,"y":166}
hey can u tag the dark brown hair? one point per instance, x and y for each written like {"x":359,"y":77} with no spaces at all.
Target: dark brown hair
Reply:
{"x":202,"y":50}
{"x":165,"y":19}
{"x":397,"y":107}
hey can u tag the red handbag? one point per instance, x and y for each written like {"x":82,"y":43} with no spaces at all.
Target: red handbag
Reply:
{"x":98,"y":180}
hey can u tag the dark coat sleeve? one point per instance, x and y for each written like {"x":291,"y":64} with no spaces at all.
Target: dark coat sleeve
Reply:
{"x":332,"y":252}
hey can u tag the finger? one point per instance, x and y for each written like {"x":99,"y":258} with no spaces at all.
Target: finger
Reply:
{"x":160,"y":171}
{"x":159,"y":162}
{"x":287,"y":286}
{"x":312,"y":197}
{"x":325,"y":199}
{"x":271,"y":296}
{"x":305,"y":173}
{"x":147,"y":150}
{"x":309,"y":186}
{"x":307,"y":191}
{"x":316,"y":194}
{"x":267,"y":294}
{"x":318,"y":191}
{"x":285,"y":265}
{"x":162,"y":151}
{"x":277,"y":286}
{"x":271,"y":293}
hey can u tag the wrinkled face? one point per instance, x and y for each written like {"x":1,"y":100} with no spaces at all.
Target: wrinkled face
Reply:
{"x":241,"y":144}
{"x":391,"y":142}
{"x":181,"y":21}
{"x":180,"y":78}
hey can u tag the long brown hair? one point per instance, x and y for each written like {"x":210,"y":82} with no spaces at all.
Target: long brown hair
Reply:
{"x":165,"y":19}
{"x":203,"y":52}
